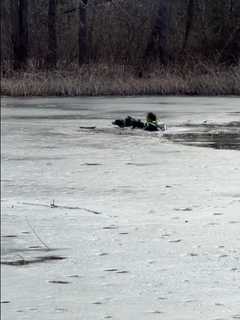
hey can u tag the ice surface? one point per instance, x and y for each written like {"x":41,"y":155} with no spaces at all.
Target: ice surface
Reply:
{"x":150,"y":228}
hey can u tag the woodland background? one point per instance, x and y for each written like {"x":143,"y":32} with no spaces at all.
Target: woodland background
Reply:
{"x":135,"y":36}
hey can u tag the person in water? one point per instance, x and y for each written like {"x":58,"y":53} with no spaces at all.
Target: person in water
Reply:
{"x":151,"y":123}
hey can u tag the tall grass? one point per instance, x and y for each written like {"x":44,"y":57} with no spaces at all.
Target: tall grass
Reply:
{"x":102,"y":79}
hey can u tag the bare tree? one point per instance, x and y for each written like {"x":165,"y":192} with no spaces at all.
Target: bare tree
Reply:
{"x":82,"y":33}
{"x":19,"y":10}
{"x":121,"y":31}
{"x":189,"y":22}
{"x":52,"y":35}
{"x":157,"y":43}
{"x":230,"y":53}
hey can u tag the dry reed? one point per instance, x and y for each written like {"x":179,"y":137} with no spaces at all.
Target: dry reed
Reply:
{"x":104,"y":80}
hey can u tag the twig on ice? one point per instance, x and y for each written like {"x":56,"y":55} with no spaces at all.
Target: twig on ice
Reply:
{"x":35,"y":233}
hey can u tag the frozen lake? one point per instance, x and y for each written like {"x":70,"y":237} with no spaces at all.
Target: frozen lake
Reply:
{"x":148,"y":224}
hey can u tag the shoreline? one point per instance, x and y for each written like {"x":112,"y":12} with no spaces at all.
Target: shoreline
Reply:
{"x":116,"y":80}
{"x":233,"y":96}
{"x":5,"y":96}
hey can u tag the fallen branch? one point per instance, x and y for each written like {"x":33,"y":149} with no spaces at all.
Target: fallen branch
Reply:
{"x":53,"y":205}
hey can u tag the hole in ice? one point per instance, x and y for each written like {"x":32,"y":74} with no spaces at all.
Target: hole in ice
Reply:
{"x":216,"y":136}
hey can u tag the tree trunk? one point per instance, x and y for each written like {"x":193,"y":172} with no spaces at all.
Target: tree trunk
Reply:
{"x":52,"y":36}
{"x":20,"y":33}
{"x":157,"y":45}
{"x":189,"y":22}
{"x":82,"y":33}
{"x":230,"y":54}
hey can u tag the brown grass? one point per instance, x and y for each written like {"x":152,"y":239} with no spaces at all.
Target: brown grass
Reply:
{"x":102,"y":79}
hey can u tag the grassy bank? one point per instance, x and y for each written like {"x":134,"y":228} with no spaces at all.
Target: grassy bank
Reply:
{"x":102,"y":79}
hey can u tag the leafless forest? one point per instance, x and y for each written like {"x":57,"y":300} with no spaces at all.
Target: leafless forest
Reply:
{"x":140,"y":37}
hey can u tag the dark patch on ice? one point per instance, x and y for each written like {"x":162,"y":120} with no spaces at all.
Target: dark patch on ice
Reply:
{"x":92,"y":211}
{"x":5,"y":301}
{"x":211,"y":135}
{"x":223,"y":140}
{"x":193,"y":254}
{"x":35,"y":247}
{"x":10,"y":236}
{"x":48,"y":147}
{"x":103,"y":254}
{"x":111,"y":270}
{"x":22,"y":261}
{"x":59,"y":282}
{"x":175,"y":241}
{"x":29,"y":249}
{"x":142,"y":164}
{"x":110,"y":227}
{"x":92,"y":164}
{"x":88,"y":128}
{"x":156,"y":312}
